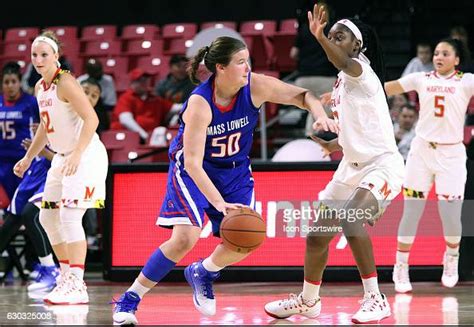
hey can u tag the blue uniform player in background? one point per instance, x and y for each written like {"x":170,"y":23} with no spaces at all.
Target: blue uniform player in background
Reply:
{"x":18,"y":111}
{"x":210,"y":167}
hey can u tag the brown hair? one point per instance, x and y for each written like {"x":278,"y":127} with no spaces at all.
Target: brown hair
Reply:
{"x":219,"y":52}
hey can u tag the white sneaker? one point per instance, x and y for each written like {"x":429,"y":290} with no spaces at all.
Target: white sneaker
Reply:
{"x":450,"y":270}
{"x":60,"y":284}
{"x":401,"y":278}
{"x":374,"y":307}
{"x":293,"y":305}
{"x":74,"y":291}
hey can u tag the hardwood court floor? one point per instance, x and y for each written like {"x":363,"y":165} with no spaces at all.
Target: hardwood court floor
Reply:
{"x":239,"y":304}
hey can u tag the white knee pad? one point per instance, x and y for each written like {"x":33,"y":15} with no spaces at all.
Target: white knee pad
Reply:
{"x":450,"y":212}
{"x":412,"y":212}
{"x":49,"y":219}
{"x":71,"y":219}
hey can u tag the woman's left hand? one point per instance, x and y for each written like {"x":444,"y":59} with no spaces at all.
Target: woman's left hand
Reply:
{"x":326,"y":124}
{"x":71,"y":163}
{"x":317,"y":21}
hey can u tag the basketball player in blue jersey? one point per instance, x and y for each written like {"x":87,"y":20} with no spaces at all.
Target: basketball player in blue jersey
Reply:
{"x":24,"y":210}
{"x":18,"y":111}
{"x":210,"y":167}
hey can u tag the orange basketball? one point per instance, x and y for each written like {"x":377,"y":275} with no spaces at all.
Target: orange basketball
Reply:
{"x":242,"y":230}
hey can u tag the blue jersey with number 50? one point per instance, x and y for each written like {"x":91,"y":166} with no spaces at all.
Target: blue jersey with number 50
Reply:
{"x":15,"y":124}
{"x":230,"y":134}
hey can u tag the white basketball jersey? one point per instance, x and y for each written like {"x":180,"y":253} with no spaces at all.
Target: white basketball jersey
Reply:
{"x":443,"y":104}
{"x":360,"y":107}
{"x":62,"y":124}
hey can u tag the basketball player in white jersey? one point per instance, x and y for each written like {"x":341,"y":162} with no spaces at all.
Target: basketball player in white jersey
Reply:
{"x":369,"y":176}
{"x":76,"y":179}
{"x":437,"y":154}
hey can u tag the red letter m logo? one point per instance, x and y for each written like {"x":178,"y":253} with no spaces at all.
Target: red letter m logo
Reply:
{"x":385,"y":191}
{"x":89,"y":193}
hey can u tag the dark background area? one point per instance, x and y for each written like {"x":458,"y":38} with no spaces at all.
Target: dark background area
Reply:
{"x":401,"y":24}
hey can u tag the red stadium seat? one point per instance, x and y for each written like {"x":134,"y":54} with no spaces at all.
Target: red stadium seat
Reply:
{"x":283,"y":41}
{"x":158,"y":66}
{"x":19,"y":49}
{"x":289,"y":26}
{"x":257,"y":35}
{"x":178,"y":46}
{"x":217,"y":24}
{"x":179,"y":30}
{"x":65,"y":33}
{"x":71,"y":48}
{"x":122,"y":83}
{"x":258,"y":27}
{"x":116,"y":66}
{"x":98,"y":32}
{"x":144,"y":47}
{"x":120,"y":139}
{"x":102,"y":48}
{"x":140,"y":32}
{"x":21,"y":34}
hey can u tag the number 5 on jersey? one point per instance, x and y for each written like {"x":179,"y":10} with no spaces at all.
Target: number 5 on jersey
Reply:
{"x":439,"y":105}
{"x":228,"y":145}
{"x":47,"y":122}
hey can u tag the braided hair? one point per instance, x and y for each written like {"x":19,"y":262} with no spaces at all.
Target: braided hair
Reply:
{"x":373,"y":49}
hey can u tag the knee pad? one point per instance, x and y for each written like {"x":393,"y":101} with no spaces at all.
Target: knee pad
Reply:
{"x":71,"y":219}
{"x":412,"y":212}
{"x":49,"y":219}
{"x":450,"y":212}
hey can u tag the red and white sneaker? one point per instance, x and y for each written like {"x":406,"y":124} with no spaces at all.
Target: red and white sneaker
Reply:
{"x":293,"y":305}
{"x":374,"y":307}
{"x":450,"y":270}
{"x":60,"y":284}
{"x":74,"y":291}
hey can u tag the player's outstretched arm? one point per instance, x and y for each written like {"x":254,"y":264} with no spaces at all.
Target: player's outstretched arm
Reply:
{"x":393,"y":87}
{"x":270,"y":89}
{"x":317,"y":22}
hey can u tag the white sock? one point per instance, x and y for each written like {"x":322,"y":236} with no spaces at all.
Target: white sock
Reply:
{"x":370,"y":285}
{"x":64,"y":266}
{"x":211,"y":266}
{"x":138,"y":288}
{"x":47,"y":261}
{"x":78,"y":272}
{"x":311,"y":291}
{"x":402,"y":257}
{"x":452,"y":251}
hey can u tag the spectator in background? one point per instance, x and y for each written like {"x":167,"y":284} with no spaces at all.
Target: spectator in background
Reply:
{"x":405,"y":129}
{"x":176,"y":87}
{"x":460,"y":33}
{"x":315,"y":72}
{"x":93,"y":91}
{"x":395,"y":104}
{"x":109,"y":95}
{"x":422,"y":62}
{"x":31,"y":76}
{"x":138,"y":109}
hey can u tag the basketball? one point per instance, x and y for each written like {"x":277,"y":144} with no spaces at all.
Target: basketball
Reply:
{"x":242,"y":230}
